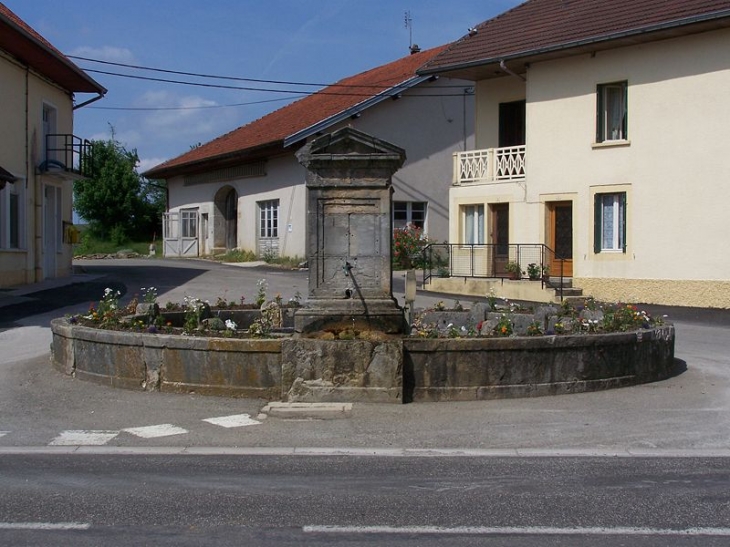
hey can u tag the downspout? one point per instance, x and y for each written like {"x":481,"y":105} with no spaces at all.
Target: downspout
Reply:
{"x":503,"y":66}
{"x":37,"y":191}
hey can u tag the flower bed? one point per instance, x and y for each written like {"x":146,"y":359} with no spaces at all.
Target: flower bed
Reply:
{"x":491,"y":350}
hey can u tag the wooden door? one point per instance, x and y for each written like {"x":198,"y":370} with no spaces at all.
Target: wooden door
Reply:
{"x":499,"y":236}
{"x":561,"y":237}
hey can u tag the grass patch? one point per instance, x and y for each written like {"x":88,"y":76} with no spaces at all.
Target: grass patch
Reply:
{"x":237,"y":255}
{"x":90,"y":245}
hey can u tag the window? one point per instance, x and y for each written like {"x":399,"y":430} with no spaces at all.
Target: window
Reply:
{"x":189,"y":222}
{"x":409,"y":212}
{"x":473,"y":224}
{"x":11,"y":216}
{"x":612,"y":112}
{"x":610,"y":222}
{"x":269,"y":218}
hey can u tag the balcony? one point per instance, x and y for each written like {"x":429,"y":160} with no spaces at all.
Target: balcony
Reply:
{"x":67,"y":154}
{"x":489,"y":165}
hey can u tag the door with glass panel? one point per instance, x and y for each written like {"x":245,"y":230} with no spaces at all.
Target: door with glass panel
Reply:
{"x":499,"y":237}
{"x":560,"y":225}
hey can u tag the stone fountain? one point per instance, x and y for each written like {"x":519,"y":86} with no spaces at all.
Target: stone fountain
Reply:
{"x":349,"y":230}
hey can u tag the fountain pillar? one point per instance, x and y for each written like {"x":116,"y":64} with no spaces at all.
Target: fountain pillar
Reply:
{"x":349,"y":233}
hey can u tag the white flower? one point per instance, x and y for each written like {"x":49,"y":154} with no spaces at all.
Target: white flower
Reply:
{"x":231,"y":325}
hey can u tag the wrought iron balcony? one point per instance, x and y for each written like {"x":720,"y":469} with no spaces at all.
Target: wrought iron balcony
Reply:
{"x":489,"y":165}
{"x":67,"y":153}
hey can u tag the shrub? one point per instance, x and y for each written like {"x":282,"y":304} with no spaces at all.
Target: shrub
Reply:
{"x":408,"y":245}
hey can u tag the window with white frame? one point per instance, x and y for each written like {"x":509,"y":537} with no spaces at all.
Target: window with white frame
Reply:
{"x":610,"y":222}
{"x":269,"y":218}
{"x":473,"y":224}
{"x":612,"y":112}
{"x":409,"y":212}
{"x":189,"y":223}
{"x":12,"y":233}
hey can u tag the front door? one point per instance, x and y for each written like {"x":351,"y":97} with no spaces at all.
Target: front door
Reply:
{"x":499,"y":236}
{"x":561,"y":238}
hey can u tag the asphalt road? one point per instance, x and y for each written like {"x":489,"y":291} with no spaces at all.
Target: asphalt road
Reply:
{"x":326,"y":500}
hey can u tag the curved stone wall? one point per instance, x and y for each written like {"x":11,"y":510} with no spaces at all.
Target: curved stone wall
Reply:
{"x":393,"y":370}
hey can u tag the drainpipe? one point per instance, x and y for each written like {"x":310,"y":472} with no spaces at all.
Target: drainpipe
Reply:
{"x":37,"y":192}
{"x":503,"y":66}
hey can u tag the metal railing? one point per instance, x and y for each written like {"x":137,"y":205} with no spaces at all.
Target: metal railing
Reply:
{"x":530,"y":261}
{"x":67,"y":152}
{"x":489,"y":165}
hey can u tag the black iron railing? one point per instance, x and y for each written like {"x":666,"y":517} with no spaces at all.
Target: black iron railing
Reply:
{"x":531,"y":261}
{"x":64,"y":152}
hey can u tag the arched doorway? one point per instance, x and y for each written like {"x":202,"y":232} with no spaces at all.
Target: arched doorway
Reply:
{"x":225,"y":219}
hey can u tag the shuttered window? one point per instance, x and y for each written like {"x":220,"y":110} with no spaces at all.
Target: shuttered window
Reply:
{"x":609,"y":231}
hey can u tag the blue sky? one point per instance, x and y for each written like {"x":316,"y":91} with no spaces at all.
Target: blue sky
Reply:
{"x":312,"y":41}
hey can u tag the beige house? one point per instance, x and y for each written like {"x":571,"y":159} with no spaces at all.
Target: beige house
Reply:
{"x":600,"y":149}
{"x":245,"y":189}
{"x":39,"y":155}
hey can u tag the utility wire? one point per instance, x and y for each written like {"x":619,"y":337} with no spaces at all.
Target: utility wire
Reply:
{"x":230,"y":78}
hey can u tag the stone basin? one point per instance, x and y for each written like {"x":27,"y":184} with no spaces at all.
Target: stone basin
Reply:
{"x":392,"y":370}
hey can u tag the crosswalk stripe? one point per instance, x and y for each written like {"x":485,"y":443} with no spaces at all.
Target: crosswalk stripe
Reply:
{"x":153,"y":431}
{"x":83,"y":438}
{"x":236,"y":420}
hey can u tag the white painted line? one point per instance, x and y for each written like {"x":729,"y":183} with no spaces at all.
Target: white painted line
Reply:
{"x":237,"y":420}
{"x":83,"y":438}
{"x":353,"y":452}
{"x":153,"y":431}
{"x":44,"y":526}
{"x":516,"y":530}
{"x":3,"y":433}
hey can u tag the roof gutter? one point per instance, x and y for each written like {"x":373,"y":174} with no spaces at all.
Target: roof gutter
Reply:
{"x":92,"y":100}
{"x":584,"y":42}
{"x":391,"y":92}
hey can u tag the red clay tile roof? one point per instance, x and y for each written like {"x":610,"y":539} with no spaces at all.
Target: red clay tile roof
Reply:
{"x":540,"y":25}
{"x":272,"y":129}
{"x":19,"y":39}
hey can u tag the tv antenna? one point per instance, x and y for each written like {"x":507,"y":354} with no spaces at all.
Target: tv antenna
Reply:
{"x":409,"y":25}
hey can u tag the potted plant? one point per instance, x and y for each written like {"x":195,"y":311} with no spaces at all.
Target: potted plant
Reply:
{"x":514,"y":270}
{"x":545,"y":272}
{"x":534,"y":271}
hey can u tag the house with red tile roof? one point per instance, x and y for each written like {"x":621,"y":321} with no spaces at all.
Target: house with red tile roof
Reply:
{"x":246,"y":189}
{"x":600,"y":155}
{"x":40,"y":157}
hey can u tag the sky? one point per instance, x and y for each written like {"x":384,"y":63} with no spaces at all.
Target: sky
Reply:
{"x":304,"y":41}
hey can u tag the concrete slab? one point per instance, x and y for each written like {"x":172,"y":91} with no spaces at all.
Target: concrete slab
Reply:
{"x":302,"y":411}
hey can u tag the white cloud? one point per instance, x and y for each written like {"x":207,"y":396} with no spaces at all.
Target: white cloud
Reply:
{"x":105,"y":53}
{"x":149,"y":163}
{"x":190,"y":117}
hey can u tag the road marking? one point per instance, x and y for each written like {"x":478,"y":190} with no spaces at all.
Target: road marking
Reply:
{"x":153,"y":431}
{"x":44,"y":526}
{"x":515,"y":530}
{"x":237,"y":420}
{"x":3,"y":433}
{"x":83,"y":438}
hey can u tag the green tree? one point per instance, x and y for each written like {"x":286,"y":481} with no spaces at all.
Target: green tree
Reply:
{"x":118,"y":203}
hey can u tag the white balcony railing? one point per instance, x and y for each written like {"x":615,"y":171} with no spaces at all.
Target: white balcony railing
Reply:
{"x":490,"y":165}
